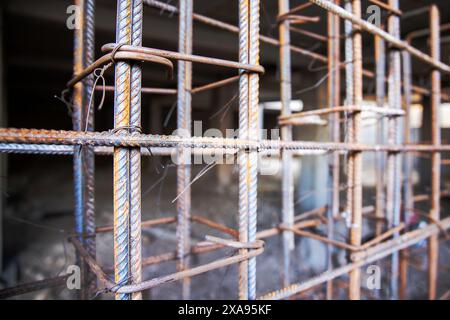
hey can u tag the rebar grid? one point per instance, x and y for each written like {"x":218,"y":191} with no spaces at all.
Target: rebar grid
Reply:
{"x":124,"y":143}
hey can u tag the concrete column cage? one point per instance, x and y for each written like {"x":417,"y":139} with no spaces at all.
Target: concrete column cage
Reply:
{"x":126,"y":144}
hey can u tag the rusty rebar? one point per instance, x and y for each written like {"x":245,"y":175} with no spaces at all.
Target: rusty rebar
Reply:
{"x":380,"y":61}
{"x":248,"y":126}
{"x":408,"y":166}
{"x":287,"y":184}
{"x":82,"y":119}
{"x":393,"y":185}
{"x":183,"y":157}
{"x":111,"y":139}
{"x":334,"y":97}
{"x":121,"y":177}
{"x":355,"y":158}
{"x":433,"y":244}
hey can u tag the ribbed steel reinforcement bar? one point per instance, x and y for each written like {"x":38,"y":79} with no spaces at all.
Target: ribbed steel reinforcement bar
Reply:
{"x":51,"y":149}
{"x":355,"y":158}
{"x":248,"y":126}
{"x":243,"y":156}
{"x":433,"y":244}
{"x":408,"y":166}
{"x":380,"y":65}
{"x":184,"y":155}
{"x":127,"y":166}
{"x":83,"y":120}
{"x":380,"y":93}
{"x":393,"y":182}
{"x":110,"y":139}
{"x":135,"y":154}
{"x":334,"y":98}
{"x":287,"y":187}
{"x":349,"y":100}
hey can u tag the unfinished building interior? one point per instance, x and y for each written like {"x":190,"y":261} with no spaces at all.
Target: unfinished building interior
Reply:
{"x":225,"y":149}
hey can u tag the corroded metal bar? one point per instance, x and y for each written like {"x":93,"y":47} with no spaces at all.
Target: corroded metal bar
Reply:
{"x":287,"y":184}
{"x":349,"y":99}
{"x":109,"y":139}
{"x":408,"y":167}
{"x":334,"y":97}
{"x":243,"y":156}
{"x":253,"y":134}
{"x":214,"y":85}
{"x":144,"y":224}
{"x":393,"y":185}
{"x":433,"y":244}
{"x":121,"y":55}
{"x":185,"y":57}
{"x":83,"y":120}
{"x":77,"y":114}
{"x":121,"y":177}
{"x":309,"y":34}
{"x":167,"y":91}
{"x":248,"y":124}
{"x":52,"y":149}
{"x":89,"y":155}
{"x":349,"y":108}
{"x":135,"y":155}
{"x":380,"y":73}
{"x":380,"y":61}
{"x":356,"y":157}
{"x":33,"y":286}
{"x":183,"y":157}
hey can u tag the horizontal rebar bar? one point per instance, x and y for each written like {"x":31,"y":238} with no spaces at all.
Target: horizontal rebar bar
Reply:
{"x":62,"y":137}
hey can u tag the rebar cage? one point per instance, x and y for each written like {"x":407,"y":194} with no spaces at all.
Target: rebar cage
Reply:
{"x":127,"y":144}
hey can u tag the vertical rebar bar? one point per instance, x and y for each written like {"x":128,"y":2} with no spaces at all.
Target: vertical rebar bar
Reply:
{"x":121,"y":179}
{"x":334,"y":133}
{"x":286,"y":135}
{"x":77,"y":124}
{"x":89,"y":30}
{"x":349,"y":100}
{"x":408,"y":192}
{"x":433,"y":243}
{"x":184,"y":124}
{"x":356,"y":183}
{"x":253,"y":113}
{"x":348,"y":46}
{"x":380,"y":62}
{"x":135,"y":155}
{"x":393,"y":184}
{"x":84,"y":159}
{"x":248,"y":126}
{"x":243,"y":134}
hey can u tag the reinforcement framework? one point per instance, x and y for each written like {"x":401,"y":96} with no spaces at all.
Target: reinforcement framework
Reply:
{"x":127,"y":144}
